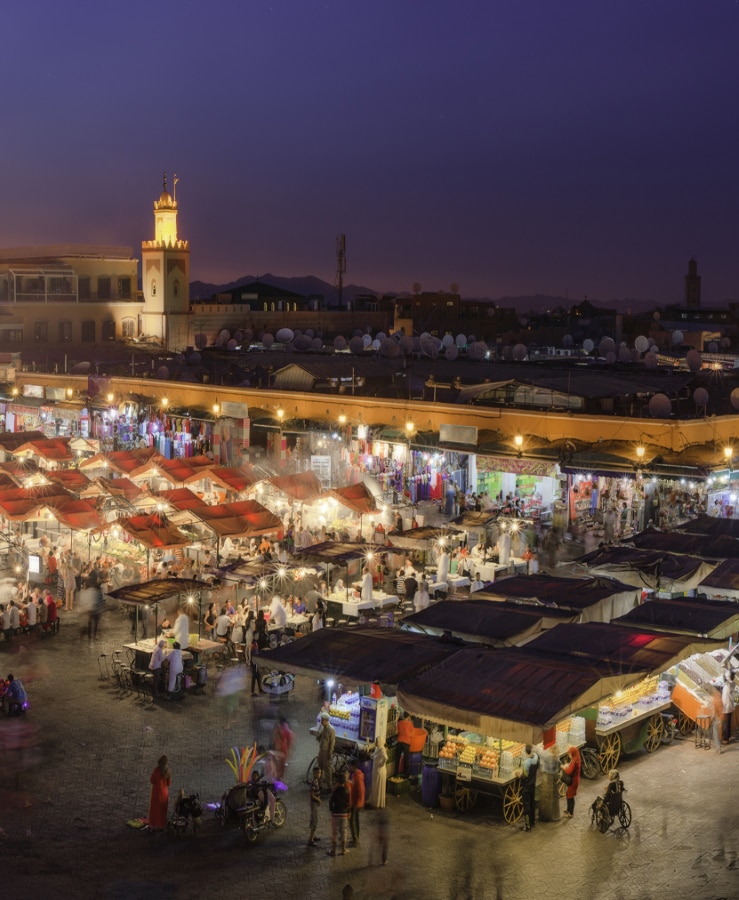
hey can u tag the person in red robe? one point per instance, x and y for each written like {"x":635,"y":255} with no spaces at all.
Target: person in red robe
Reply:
{"x":160,"y":780}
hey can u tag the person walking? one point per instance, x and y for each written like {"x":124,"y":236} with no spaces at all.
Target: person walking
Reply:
{"x":728,"y":704}
{"x":571,"y":777}
{"x":160,"y":780}
{"x":326,"y":738}
{"x":529,"y":769}
{"x":339,"y":804}
{"x":357,"y":799}
{"x":315,"y":806}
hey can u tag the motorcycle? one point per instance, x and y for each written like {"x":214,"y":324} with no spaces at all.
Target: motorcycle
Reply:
{"x":255,"y":806}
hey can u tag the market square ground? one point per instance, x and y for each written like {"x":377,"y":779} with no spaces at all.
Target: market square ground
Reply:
{"x":97,"y":749}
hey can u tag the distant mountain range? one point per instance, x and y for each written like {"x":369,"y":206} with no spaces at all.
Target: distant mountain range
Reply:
{"x":309,"y":284}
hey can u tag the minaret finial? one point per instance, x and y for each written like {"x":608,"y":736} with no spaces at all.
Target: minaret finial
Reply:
{"x":175,"y":179}
{"x":164,"y":181}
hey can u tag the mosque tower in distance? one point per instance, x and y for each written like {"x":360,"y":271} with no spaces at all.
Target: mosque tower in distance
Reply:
{"x":165,"y":276}
{"x":693,"y":286}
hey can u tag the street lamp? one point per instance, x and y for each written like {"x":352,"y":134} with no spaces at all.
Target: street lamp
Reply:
{"x":640,"y":451}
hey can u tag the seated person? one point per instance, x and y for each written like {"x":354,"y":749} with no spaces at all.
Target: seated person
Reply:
{"x":299,"y":606}
{"x":339,"y":586}
{"x":15,"y":698}
{"x":258,"y":791}
{"x":614,"y":792}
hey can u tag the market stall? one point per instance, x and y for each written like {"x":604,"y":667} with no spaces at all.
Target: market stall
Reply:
{"x":595,"y":599}
{"x":480,"y":621}
{"x":632,"y":719}
{"x":654,"y":569}
{"x":695,"y":616}
{"x":499,"y":700}
{"x":150,"y":595}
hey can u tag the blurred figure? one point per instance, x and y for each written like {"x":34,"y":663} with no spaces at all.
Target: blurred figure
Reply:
{"x":230,"y":686}
{"x":282,"y":742}
{"x":382,"y":834}
{"x":160,"y":780}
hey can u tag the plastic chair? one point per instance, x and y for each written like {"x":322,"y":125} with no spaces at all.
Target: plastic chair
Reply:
{"x":104,"y":674}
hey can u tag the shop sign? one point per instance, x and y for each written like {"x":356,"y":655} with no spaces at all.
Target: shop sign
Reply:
{"x":33,"y":390}
{"x":34,"y":564}
{"x":464,"y":773}
{"x":542,"y":468}
{"x":321,"y":465}
{"x":458,"y":436}
{"x":234,"y":410}
{"x":56,"y":393}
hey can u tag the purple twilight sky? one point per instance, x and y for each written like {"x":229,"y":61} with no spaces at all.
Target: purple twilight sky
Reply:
{"x":511,"y":147}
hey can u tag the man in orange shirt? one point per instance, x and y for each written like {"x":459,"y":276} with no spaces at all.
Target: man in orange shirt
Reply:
{"x":403,"y":747}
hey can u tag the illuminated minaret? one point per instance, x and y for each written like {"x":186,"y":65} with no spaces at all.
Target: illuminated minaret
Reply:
{"x":165,"y":268}
{"x":692,"y":286}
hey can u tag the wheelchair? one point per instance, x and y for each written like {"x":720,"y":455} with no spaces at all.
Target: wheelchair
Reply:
{"x":605,"y":810}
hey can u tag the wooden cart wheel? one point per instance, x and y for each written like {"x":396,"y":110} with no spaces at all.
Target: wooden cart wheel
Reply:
{"x":465,"y":798}
{"x":685,"y":724}
{"x":655,"y":727}
{"x":513,"y":802}
{"x":609,"y":751}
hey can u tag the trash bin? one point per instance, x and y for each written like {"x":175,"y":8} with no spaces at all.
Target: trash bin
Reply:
{"x":430,"y":786}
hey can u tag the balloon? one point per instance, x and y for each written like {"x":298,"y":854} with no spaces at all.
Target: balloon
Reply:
{"x":660,"y":406}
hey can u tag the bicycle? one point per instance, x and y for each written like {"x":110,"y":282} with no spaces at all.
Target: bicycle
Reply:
{"x":339,"y":765}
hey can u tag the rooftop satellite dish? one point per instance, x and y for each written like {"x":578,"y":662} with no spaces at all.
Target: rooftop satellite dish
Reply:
{"x":310,"y":332}
{"x":225,"y":334}
{"x":80,"y":368}
{"x":357,"y":332}
{"x":380,"y":336}
{"x":238,"y":336}
{"x":660,"y":406}
{"x":520,"y":352}
{"x":693,"y":359}
{"x":232,"y":345}
{"x":425,"y":334}
{"x":317,"y":343}
{"x":641,"y":344}
{"x":201,"y":340}
{"x":624,"y":355}
{"x":194,"y":359}
{"x":568,"y":340}
{"x":356,"y":345}
{"x":162,"y":373}
{"x":635,"y":355}
{"x":367,"y":340}
{"x":610,"y":357}
{"x":725,"y":343}
{"x":606,"y":345}
{"x":285,"y":335}
{"x":390,"y":348}
{"x":734,"y":397}
{"x":427,"y":345}
{"x":712,"y":347}
{"x":477,"y":350}
{"x":700,"y":396}
{"x":376,"y":344}
{"x":303,"y":342}
{"x":406,"y":345}
{"x":339,"y":342}
{"x":447,"y":340}
{"x":677,"y":337}
{"x":471,"y":339}
{"x":267,"y":340}
{"x":461,"y":340}
{"x":588,"y":345}
{"x":451,"y":352}
{"x":651,"y":361}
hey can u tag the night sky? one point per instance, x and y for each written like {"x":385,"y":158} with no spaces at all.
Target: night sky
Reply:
{"x":511,"y":147}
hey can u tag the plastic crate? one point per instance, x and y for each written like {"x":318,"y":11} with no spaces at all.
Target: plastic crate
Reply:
{"x":397,"y":785}
{"x":483,"y":774}
{"x":448,"y":765}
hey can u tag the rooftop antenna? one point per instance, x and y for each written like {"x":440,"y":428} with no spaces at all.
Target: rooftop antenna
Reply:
{"x":175,"y":179}
{"x":340,"y":265}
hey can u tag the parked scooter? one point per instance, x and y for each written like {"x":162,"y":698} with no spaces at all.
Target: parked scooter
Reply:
{"x":256,"y":806}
